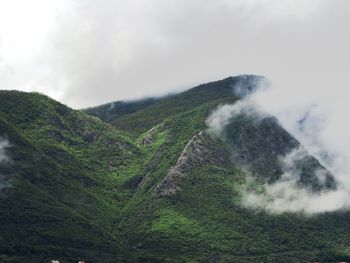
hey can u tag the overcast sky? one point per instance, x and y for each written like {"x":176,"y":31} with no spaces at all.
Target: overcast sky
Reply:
{"x":88,"y":52}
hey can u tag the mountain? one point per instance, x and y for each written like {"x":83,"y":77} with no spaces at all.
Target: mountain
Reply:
{"x":149,"y":181}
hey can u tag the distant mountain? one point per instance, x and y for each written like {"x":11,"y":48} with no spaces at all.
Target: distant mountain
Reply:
{"x":147,"y":181}
{"x":110,"y":111}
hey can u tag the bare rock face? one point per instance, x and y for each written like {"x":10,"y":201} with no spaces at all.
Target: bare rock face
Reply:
{"x":253,"y":146}
{"x":199,"y":151}
{"x":149,"y":138}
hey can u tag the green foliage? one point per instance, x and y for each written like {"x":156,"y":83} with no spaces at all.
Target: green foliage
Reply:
{"x":82,"y":188}
{"x":171,"y":106}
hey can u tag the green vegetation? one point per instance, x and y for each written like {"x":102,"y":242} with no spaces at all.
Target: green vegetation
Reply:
{"x":82,"y":188}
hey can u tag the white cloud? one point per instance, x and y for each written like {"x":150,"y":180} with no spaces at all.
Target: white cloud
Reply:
{"x":277,"y":8}
{"x":4,"y":180}
{"x":3,"y":145}
{"x":89,"y":52}
{"x":223,"y":115}
{"x":286,"y":195}
{"x":25,"y":27}
{"x":309,"y":123}
{"x":318,"y":118}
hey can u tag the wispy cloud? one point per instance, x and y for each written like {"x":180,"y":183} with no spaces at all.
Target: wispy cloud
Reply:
{"x":4,"y":180}
{"x":287,"y":194}
{"x":4,"y":143}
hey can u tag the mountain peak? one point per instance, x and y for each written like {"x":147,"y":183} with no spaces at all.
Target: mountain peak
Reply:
{"x":152,"y":180}
{"x":245,"y":85}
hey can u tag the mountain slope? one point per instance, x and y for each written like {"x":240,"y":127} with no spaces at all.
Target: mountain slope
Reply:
{"x":259,"y":145}
{"x":44,"y":208}
{"x":151,"y":185}
{"x":161,"y":109}
{"x":59,"y":191}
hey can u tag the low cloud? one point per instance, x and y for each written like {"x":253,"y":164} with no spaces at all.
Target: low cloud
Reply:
{"x":245,"y":88}
{"x":223,"y":115}
{"x":4,"y":143}
{"x":287,"y":194}
{"x":4,"y":180}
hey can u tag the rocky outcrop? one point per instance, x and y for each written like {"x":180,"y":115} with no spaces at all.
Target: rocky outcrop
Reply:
{"x":257,"y":146}
{"x":199,"y":151}
{"x":149,"y":138}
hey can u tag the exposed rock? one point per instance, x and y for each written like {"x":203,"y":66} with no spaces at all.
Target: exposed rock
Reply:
{"x":200,"y":150}
{"x":149,"y":138}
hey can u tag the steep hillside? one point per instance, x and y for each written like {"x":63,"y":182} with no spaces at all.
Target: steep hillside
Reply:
{"x":58,"y":201}
{"x":153,"y":184}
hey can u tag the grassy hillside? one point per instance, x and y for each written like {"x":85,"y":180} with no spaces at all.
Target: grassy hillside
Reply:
{"x":151,"y":185}
{"x":46,"y":209}
{"x":60,"y":202}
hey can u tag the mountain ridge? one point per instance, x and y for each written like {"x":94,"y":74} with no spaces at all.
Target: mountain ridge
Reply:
{"x":86,"y":189}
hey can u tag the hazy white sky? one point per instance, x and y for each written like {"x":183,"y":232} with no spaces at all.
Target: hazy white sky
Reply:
{"x":88,"y":52}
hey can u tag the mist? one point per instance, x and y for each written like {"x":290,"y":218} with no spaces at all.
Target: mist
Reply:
{"x":311,"y":124}
{"x":287,"y":195}
{"x":4,"y":181}
{"x":4,"y":143}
